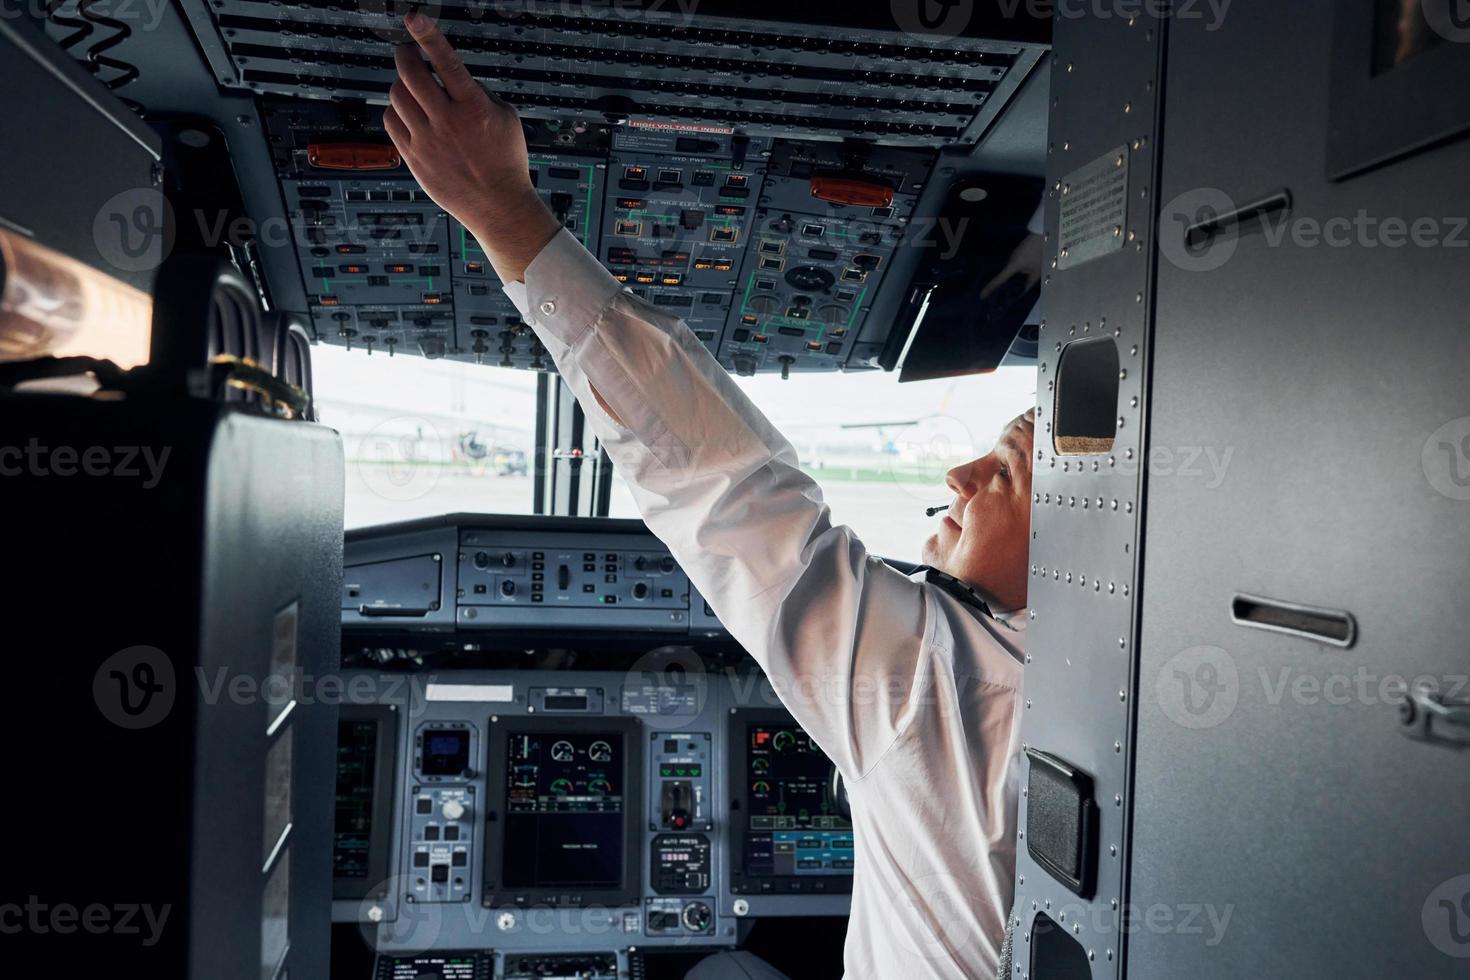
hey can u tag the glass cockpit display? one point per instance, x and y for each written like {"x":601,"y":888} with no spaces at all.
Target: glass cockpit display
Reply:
{"x":357,"y":746}
{"x":793,"y":826}
{"x":565,"y":800}
{"x":446,"y":753}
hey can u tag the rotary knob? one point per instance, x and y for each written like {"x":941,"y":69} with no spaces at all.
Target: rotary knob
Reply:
{"x":452,"y":810}
{"x":696,"y":917}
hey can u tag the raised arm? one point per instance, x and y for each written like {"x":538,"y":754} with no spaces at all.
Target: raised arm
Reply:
{"x":841,"y":635}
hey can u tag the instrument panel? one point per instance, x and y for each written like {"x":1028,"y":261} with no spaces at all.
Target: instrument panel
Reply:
{"x":503,"y":575}
{"x":579,"y":813}
{"x":773,"y":251}
{"x":650,"y":63}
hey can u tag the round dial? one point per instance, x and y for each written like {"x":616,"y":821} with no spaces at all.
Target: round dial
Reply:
{"x":599,"y":787}
{"x":562,"y":751}
{"x":600,"y":751}
{"x":763,"y":304}
{"x":811,"y":279}
{"x":833,"y":314}
{"x":784,"y":742}
{"x":561,"y":787}
{"x":696,"y":917}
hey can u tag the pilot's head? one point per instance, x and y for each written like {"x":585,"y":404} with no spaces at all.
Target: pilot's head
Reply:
{"x":985,"y":538}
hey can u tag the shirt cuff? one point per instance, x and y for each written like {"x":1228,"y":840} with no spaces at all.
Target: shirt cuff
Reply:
{"x":566,"y":289}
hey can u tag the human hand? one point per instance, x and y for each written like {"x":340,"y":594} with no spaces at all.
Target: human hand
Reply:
{"x":1025,"y":261}
{"x":466,"y":148}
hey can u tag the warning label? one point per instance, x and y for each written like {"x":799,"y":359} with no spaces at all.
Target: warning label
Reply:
{"x":1094,"y":210}
{"x":674,"y":127}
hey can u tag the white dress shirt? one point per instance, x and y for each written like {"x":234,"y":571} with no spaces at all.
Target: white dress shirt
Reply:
{"x":914,"y":695}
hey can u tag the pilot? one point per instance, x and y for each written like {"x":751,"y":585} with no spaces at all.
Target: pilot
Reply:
{"x":909,"y":683}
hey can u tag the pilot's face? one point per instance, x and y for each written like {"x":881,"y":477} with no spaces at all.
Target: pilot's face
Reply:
{"x":985,"y":538}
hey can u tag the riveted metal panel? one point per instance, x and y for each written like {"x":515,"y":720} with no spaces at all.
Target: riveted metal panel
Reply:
{"x":1321,"y":361}
{"x":1087,"y":508}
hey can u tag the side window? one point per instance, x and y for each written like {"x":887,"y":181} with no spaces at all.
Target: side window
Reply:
{"x":879,"y":449}
{"x":424,"y":438}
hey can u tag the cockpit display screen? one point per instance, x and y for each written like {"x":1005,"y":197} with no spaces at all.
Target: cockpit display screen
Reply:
{"x":793,"y":825}
{"x":357,"y":750}
{"x":565,"y":800}
{"x":446,"y":752}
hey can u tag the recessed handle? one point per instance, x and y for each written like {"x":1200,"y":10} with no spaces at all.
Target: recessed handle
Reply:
{"x":391,"y":612}
{"x":1202,"y":232}
{"x":1334,"y":627}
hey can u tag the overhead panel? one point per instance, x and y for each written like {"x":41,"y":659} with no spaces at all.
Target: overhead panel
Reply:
{"x":756,"y":179}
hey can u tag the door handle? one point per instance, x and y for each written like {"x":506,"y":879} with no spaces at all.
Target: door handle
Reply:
{"x":1243,"y":220}
{"x":1428,"y":716}
{"x":392,"y":612}
{"x":1335,"y":627}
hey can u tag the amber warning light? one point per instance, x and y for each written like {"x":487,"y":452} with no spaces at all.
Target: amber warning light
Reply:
{"x":858,"y":193}
{"x":353,"y":156}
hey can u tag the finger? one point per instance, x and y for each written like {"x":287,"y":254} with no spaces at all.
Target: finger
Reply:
{"x":397,"y":131}
{"x":410,"y":113}
{"x":446,"y":61}
{"x":414,"y":74}
{"x":995,"y":284}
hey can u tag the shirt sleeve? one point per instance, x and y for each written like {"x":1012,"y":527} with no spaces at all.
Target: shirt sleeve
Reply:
{"x":841,"y":635}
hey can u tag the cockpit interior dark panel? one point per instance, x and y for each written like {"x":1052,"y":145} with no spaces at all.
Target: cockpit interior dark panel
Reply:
{"x":338,"y":652}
